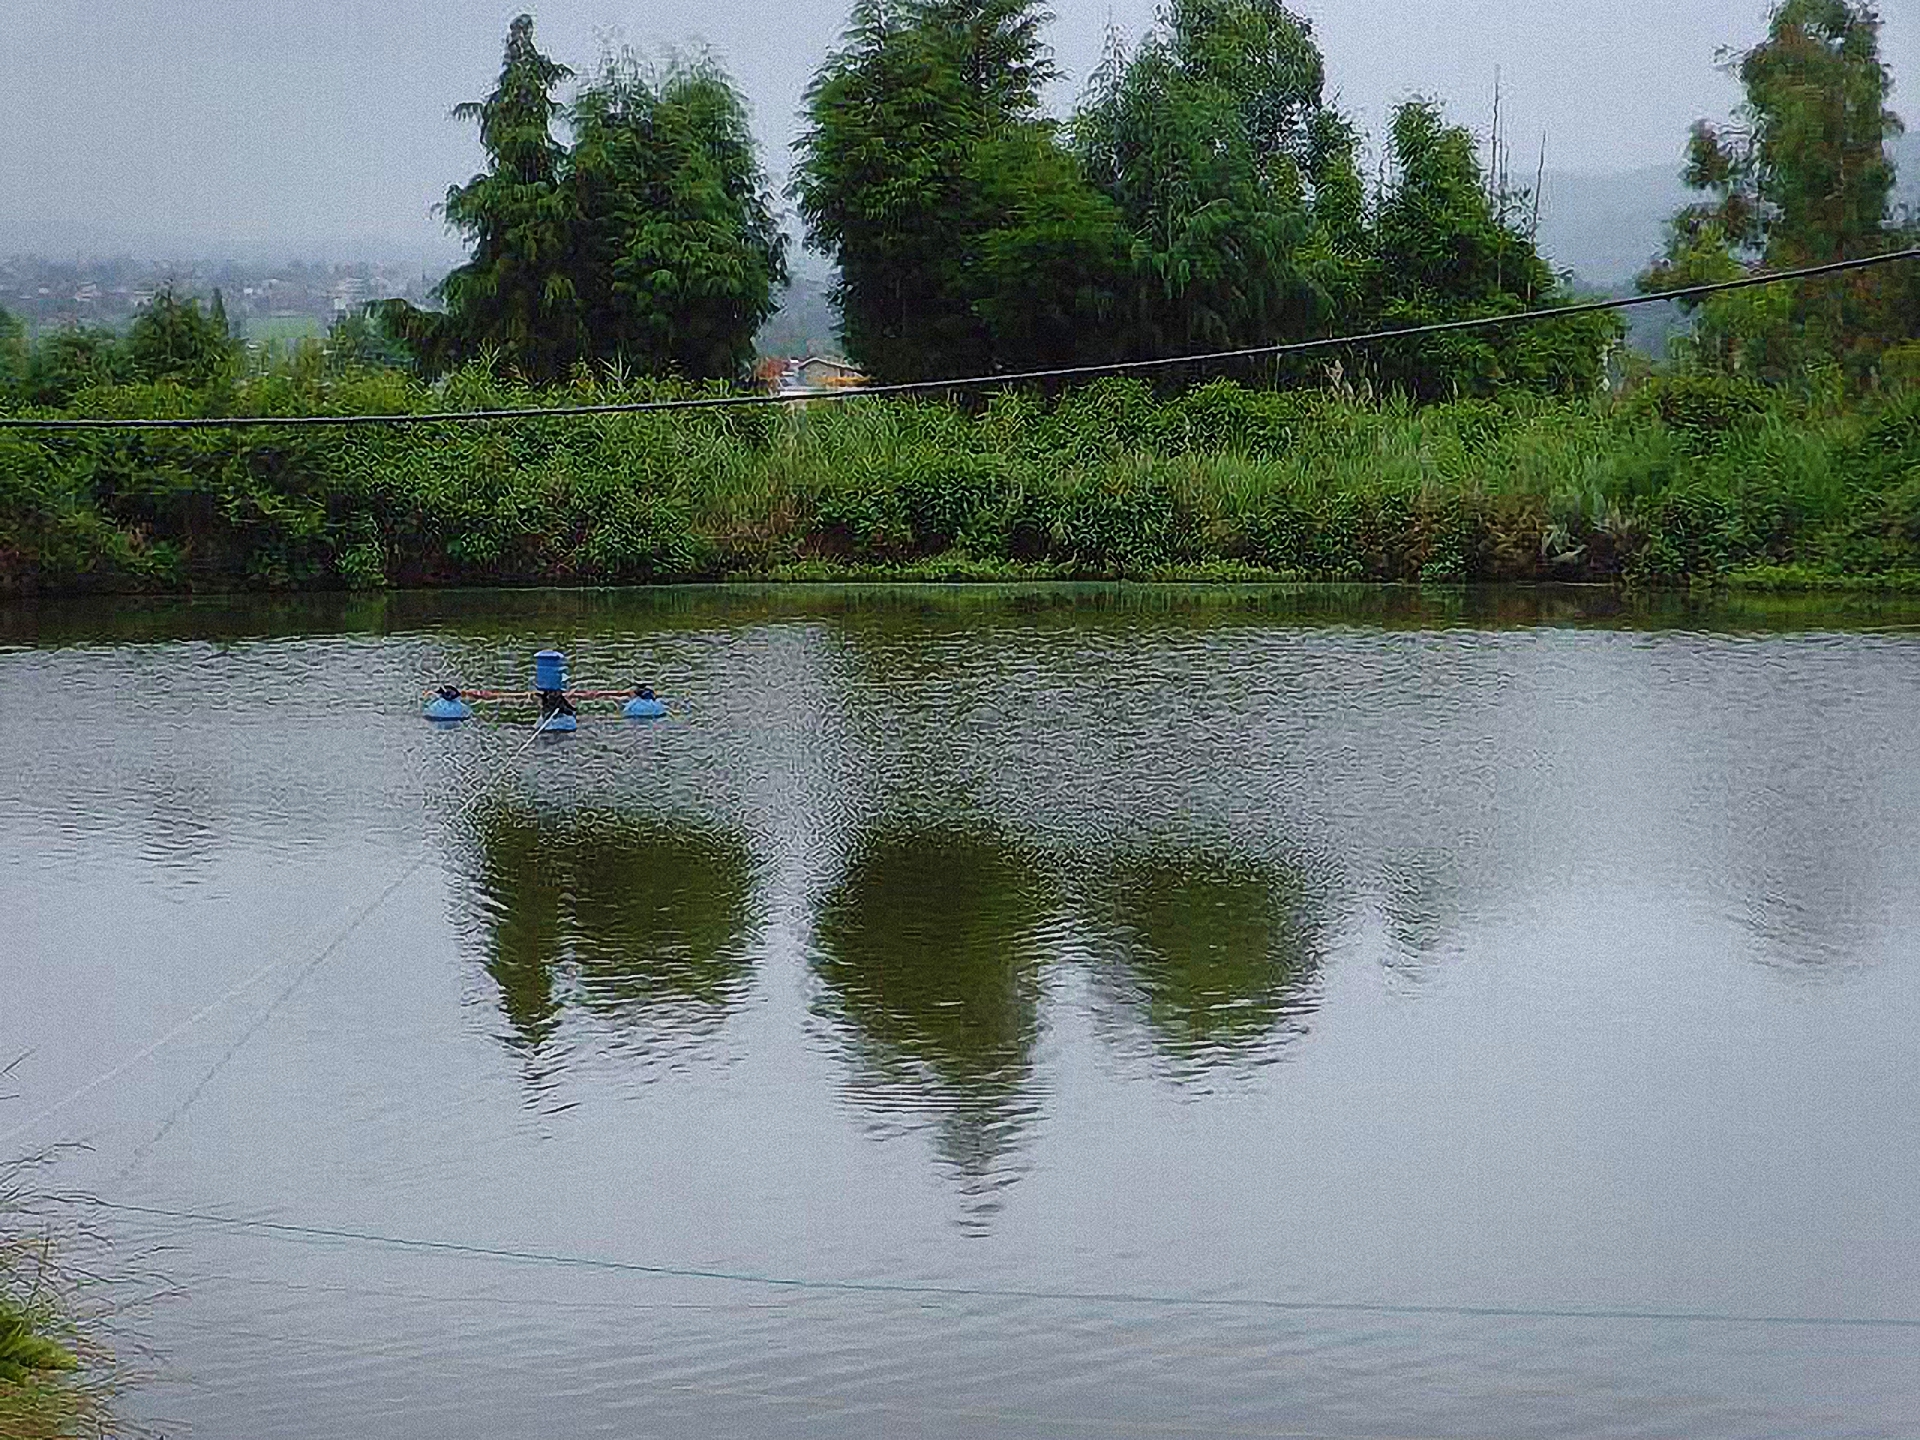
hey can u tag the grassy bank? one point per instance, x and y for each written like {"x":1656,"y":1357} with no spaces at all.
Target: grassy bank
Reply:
{"x":57,"y":1380}
{"x":1684,"y":481}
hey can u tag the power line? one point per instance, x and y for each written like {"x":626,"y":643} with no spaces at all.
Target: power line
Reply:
{"x":285,"y":1230}
{"x":978,"y":382}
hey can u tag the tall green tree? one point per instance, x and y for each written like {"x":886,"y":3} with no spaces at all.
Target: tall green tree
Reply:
{"x":1802,"y":176}
{"x":650,"y":241}
{"x":679,"y":256}
{"x":967,"y":239}
{"x":516,"y":295}
{"x":1449,"y":245}
{"x":1264,"y":58}
{"x":883,"y":171}
{"x":1048,"y":271}
{"x":1214,"y":141}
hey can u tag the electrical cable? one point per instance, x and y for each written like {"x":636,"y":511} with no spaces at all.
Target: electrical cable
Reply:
{"x":976,"y":382}
{"x":286,"y":1230}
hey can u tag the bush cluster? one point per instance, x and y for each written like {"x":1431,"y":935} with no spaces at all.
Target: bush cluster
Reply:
{"x":1687,"y":479}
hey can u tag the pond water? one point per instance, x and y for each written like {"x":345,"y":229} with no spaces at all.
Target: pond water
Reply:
{"x":987,"y":1013}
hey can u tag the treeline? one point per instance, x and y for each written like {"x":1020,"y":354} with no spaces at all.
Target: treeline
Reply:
{"x":1204,"y":196}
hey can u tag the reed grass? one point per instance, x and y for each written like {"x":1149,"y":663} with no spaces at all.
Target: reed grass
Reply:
{"x":59,"y":1376}
{"x":1687,"y":480}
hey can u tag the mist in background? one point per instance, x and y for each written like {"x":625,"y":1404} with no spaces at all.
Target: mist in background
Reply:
{"x":272,"y":129}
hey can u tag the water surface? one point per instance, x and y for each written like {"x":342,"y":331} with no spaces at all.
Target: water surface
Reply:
{"x":1170,"y":1012}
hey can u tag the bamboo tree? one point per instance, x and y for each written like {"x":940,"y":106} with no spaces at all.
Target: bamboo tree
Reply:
{"x":1449,"y":245}
{"x":650,"y":244}
{"x":1215,"y":142}
{"x":966,"y":237}
{"x":679,"y":255}
{"x":516,"y":295}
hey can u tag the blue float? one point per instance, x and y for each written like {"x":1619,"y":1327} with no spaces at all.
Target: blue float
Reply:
{"x":558,"y":724}
{"x":447,"y":708}
{"x":644,"y":706}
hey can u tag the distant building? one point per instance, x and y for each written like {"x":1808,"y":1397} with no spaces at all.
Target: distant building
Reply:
{"x":823,"y":372}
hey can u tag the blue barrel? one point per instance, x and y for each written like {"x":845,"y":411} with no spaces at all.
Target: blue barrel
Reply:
{"x":645,"y":709}
{"x":549,"y":671}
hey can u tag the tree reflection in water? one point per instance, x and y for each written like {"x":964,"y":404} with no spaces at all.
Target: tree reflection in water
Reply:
{"x":1215,"y":957}
{"x":644,"y":924}
{"x":928,"y":950}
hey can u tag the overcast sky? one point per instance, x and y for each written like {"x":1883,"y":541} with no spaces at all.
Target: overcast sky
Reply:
{"x":300,"y":127}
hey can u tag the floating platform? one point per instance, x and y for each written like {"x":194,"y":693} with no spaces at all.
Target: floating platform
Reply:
{"x":450,"y":705}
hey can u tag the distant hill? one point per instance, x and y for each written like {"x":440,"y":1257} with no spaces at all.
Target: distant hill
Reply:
{"x":1607,"y":228}
{"x":807,"y":323}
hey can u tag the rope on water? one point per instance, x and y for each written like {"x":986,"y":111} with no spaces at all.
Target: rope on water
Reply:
{"x":285,"y":1230}
{"x":324,"y":954}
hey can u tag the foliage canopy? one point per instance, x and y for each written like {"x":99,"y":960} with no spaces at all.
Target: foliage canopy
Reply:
{"x":965,"y":238}
{"x":1802,"y":176}
{"x":1206,"y":196}
{"x":649,"y":242}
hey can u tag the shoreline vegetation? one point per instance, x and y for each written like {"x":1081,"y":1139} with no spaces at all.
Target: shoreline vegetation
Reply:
{"x":1683,"y":480}
{"x":1205,"y":194}
{"x":58,"y":1376}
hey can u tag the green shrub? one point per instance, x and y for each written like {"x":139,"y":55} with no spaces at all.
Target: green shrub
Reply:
{"x":1701,"y":405}
{"x":1690,"y":477}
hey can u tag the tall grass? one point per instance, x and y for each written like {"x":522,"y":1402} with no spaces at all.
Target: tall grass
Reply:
{"x":58,"y":1376}
{"x":1688,"y":479}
